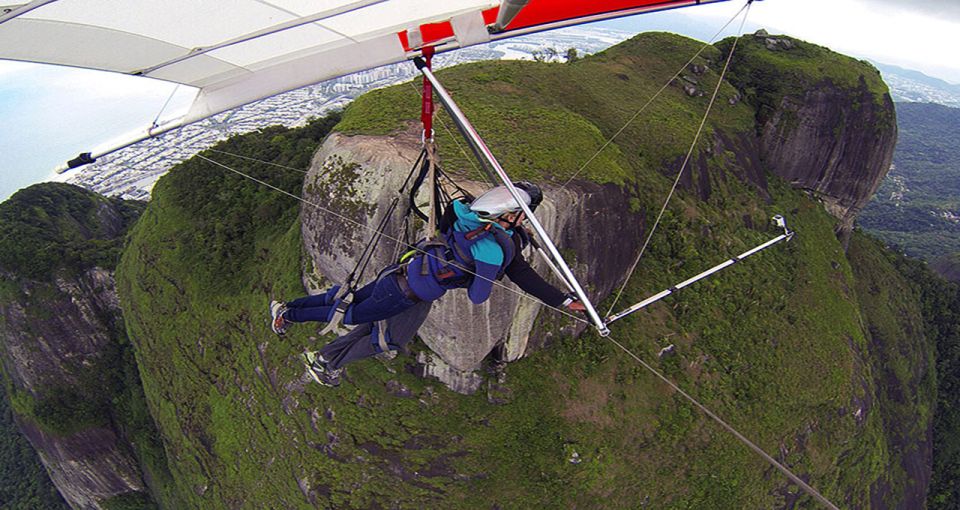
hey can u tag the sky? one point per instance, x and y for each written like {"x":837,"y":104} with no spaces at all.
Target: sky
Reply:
{"x":50,"y":114}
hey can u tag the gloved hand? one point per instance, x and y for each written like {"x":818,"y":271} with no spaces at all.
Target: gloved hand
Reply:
{"x":573,"y":304}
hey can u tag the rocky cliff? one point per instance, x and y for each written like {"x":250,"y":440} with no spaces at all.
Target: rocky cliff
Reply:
{"x":826,"y":123}
{"x":359,"y":176}
{"x":60,"y":325}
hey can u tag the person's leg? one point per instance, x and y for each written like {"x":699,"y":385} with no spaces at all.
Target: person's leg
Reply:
{"x":322,"y":299}
{"x":363,"y":343}
{"x":401,"y":328}
{"x":364,"y":293}
{"x":320,"y":308}
{"x":348,"y":348}
{"x":386,"y":300}
{"x":359,"y":343}
{"x":311,"y":314}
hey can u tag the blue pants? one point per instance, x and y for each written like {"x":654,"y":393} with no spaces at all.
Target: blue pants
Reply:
{"x":376,"y":301}
{"x":362,"y":342}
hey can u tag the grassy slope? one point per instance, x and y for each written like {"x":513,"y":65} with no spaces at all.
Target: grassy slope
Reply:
{"x":903,"y":356}
{"x":770,"y":345}
{"x":767,"y":76}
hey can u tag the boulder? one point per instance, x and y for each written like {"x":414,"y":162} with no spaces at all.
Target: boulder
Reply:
{"x":353,"y":180}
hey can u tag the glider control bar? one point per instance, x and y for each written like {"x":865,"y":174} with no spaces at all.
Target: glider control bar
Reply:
{"x":786,"y":236}
{"x":477,"y":143}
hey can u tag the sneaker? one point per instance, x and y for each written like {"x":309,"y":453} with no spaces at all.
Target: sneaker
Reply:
{"x":330,"y":378}
{"x":318,"y":370}
{"x":278,"y":323}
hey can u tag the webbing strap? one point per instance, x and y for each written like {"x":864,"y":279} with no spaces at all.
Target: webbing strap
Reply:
{"x":426,"y":107}
{"x":380,"y":329}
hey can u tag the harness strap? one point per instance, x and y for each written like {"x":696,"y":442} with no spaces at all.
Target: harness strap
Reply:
{"x":426,"y":106}
{"x":380,"y":332}
{"x":464,"y":256}
{"x":478,"y":231}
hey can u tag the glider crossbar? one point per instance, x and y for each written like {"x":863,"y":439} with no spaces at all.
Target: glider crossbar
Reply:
{"x":477,"y":143}
{"x":299,"y":22}
{"x":785,"y":236}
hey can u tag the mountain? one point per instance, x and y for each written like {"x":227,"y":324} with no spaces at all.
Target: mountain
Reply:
{"x":777,"y":345}
{"x":24,"y":485}
{"x":823,"y":350}
{"x":67,"y":364}
{"x":907,"y":85}
{"x":917,"y":208}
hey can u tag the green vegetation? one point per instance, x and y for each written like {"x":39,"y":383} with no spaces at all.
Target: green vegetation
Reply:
{"x":67,"y":227}
{"x":129,"y":501}
{"x":52,"y":230}
{"x":903,"y":358}
{"x":545,"y":120}
{"x":940,"y":304}
{"x":766,"y":76}
{"x":948,"y":267}
{"x":917,"y":206}
{"x":24,"y":485}
{"x":775,"y":345}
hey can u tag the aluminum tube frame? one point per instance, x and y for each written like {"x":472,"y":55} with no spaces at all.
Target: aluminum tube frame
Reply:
{"x":131,"y":139}
{"x":786,"y":236}
{"x":23,"y":9}
{"x":472,"y":135}
{"x":306,"y":20}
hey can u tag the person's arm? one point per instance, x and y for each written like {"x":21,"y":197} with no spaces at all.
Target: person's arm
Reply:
{"x":482,"y":284}
{"x":521,"y":273}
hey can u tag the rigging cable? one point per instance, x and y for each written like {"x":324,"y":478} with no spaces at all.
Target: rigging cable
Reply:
{"x":759,"y":451}
{"x":686,"y":159}
{"x":164,"y":107}
{"x":248,"y":158}
{"x":654,"y":97}
{"x":446,"y":128}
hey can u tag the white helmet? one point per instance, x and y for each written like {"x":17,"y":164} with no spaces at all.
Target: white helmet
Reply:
{"x":497,"y":202}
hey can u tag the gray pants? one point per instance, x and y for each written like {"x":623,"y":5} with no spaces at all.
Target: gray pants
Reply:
{"x":364,"y":340}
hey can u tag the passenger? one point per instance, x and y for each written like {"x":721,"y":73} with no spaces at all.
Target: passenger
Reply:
{"x":479,"y":242}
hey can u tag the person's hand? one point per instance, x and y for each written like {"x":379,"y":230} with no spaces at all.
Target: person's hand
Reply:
{"x":576,"y":306}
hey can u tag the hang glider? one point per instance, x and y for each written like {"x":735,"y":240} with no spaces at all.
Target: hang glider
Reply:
{"x":239,"y":51}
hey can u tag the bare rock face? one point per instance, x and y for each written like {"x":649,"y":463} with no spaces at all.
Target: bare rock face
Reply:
{"x":826,"y":122}
{"x":352,"y":182}
{"x":73,"y":332}
{"x":49,"y":348}
{"x":831,"y":145}
{"x":86,"y":467}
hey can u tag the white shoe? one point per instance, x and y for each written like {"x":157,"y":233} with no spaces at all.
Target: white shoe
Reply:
{"x":278,"y":323}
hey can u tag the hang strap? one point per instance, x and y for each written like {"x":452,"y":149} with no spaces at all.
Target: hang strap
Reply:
{"x":426,"y":107}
